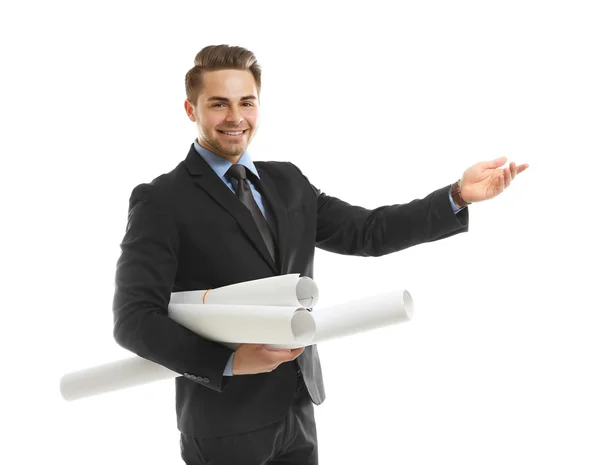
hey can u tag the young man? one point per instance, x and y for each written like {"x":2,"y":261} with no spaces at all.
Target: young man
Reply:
{"x":218,"y":218}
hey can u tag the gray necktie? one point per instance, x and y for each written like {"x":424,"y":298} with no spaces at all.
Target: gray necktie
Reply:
{"x":244,"y":193}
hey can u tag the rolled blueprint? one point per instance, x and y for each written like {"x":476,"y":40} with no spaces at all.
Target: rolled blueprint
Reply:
{"x":230,"y":325}
{"x":287,"y":290}
{"x":113,"y":376}
{"x":359,"y":316}
{"x":247,"y":324}
{"x":260,"y":326}
{"x":267,"y":310}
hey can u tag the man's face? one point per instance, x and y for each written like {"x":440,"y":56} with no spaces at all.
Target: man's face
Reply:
{"x":226,"y":112}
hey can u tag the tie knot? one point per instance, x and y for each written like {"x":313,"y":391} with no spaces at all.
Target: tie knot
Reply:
{"x":237,"y":171}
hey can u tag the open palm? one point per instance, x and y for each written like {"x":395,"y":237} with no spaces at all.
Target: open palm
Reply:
{"x":484,"y":180}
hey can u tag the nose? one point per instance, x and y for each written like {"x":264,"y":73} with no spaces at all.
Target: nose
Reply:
{"x":234,"y":116}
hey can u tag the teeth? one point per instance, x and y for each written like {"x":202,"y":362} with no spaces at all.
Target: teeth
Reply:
{"x":233,"y":133}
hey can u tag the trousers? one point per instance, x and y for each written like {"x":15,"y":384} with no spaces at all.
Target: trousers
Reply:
{"x":290,"y":441}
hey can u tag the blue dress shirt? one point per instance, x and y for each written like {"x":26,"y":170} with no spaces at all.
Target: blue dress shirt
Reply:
{"x":220,"y":166}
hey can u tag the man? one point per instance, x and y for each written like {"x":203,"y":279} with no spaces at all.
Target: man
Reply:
{"x":218,"y":218}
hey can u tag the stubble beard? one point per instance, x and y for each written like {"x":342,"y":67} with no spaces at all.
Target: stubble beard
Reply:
{"x":236,"y":150}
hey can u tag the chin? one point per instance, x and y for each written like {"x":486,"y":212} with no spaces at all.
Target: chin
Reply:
{"x":233,"y":153}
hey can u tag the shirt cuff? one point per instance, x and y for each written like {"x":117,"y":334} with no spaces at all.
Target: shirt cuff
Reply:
{"x":229,"y":367}
{"x":455,"y":208}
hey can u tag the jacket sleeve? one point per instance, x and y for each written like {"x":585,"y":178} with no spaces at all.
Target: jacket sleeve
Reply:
{"x":352,"y":230}
{"x":145,"y":274}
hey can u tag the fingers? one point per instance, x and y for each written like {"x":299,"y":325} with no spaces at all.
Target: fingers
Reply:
{"x":258,"y":358}
{"x":498,"y":162}
{"x":297,"y":352}
{"x":293,"y":353}
{"x":281,"y":356}
{"x":507,"y":178}
{"x":513,"y":170}
{"x":493,"y":163}
{"x":508,"y":174}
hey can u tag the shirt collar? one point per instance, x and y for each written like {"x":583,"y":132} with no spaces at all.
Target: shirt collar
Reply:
{"x":220,"y":165}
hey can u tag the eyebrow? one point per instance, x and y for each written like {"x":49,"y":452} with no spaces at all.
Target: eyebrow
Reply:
{"x":225,"y":99}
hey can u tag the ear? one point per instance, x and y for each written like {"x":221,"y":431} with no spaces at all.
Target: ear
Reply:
{"x":189,"y":110}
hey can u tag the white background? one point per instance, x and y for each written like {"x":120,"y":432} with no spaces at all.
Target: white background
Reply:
{"x":377,"y":105}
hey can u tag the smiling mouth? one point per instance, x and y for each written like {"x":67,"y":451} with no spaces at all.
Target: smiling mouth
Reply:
{"x":232,"y":133}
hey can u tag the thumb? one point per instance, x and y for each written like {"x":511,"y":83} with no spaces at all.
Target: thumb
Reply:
{"x":493,"y":163}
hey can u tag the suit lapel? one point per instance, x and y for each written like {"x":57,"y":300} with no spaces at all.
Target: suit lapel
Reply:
{"x":205,"y":178}
{"x":269,"y":193}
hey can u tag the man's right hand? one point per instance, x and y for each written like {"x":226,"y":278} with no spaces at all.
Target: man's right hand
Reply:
{"x":250,"y":359}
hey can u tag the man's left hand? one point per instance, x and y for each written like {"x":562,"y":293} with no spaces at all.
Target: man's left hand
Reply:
{"x":484,"y":181}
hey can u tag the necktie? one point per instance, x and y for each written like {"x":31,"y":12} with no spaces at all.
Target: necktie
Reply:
{"x":244,"y":193}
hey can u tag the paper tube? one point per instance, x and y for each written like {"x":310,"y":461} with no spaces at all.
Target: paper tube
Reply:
{"x":230,"y":325}
{"x":359,"y":316}
{"x":223,"y":323}
{"x":247,"y":324}
{"x":113,"y":376}
{"x":330,"y":323}
{"x":287,"y":290}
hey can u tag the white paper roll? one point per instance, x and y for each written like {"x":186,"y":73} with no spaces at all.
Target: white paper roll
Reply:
{"x":359,"y":316}
{"x":278,"y":327}
{"x":113,"y":376}
{"x":246,"y":324}
{"x":230,"y":325}
{"x":287,"y":290}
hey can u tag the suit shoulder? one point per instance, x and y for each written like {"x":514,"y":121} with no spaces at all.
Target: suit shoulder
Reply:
{"x":278,"y":168}
{"x":157,"y":191}
{"x":285,"y":170}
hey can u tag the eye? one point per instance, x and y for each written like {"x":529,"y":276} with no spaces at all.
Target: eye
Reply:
{"x":215,"y":105}
{"x":248,"y":104}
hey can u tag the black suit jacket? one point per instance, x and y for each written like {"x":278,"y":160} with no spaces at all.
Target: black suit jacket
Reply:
{"x":187,"y":230}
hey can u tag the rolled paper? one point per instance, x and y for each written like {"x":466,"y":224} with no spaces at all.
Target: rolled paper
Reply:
{"x":287,"y":290}
{"x":230,"y":325}
{"x":359,"y":316}
{"x":113,"y":376}
{"x":247,"y":324}
{"x":277,"y":327}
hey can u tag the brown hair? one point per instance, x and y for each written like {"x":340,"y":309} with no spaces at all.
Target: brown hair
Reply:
{"x":217,"y":57}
